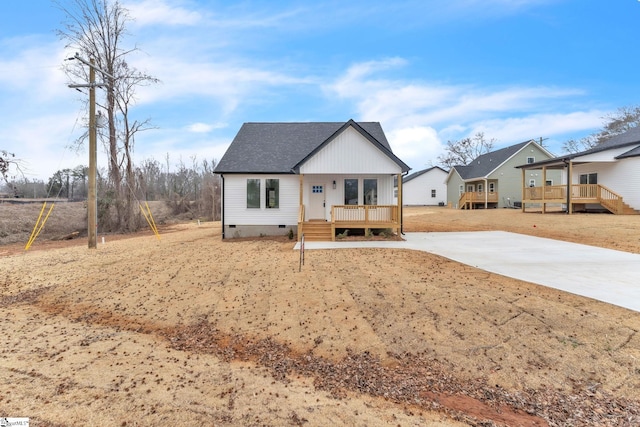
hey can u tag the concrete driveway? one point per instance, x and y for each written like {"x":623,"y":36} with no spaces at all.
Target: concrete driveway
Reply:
{"x":603,"y":274}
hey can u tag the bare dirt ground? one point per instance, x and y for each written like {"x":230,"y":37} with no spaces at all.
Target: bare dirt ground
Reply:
{"x":190,"y":330}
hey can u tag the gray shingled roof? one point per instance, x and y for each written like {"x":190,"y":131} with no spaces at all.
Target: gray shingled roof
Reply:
{"x":630,"y":137}
{"x":635,"y":152}
{"x":281,"y":147}
{"x":484,"y":164}
{"x":422,"y":172}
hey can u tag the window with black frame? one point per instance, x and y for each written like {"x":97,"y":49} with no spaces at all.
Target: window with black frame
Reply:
{"x":370,"y":191}
{"x":272,"y":187}
{"x":350,"y":191}
{"x":253,"y":193}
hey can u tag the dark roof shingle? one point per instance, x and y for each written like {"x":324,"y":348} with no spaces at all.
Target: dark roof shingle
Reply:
{"x":483,"y":165}
{"x":280,"y":147}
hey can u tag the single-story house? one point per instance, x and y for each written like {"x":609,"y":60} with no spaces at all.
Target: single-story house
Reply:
{"x":491,"y":180}
{"x":426,"y":187}
{"x":605,"y":177}
{"x":309,"y":178}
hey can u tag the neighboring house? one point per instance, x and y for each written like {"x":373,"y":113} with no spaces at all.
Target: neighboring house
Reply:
{"x":425,"y":188}
{"x":606,"y":177}
{"x":492,"y":181}
{"x":311,"y":178}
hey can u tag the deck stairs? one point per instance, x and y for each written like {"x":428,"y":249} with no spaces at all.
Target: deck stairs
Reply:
{"x":628,"y":210}
{"x":317,"y":231}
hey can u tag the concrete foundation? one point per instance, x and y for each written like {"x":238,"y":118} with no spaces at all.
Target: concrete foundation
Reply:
{"x":238,"y":231}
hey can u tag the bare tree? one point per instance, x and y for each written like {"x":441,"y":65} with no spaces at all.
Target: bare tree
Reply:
{"x":8,"y":162}
{"x":616,"y":123}
{"x":465,"y":150}
{"x":96,"y":28}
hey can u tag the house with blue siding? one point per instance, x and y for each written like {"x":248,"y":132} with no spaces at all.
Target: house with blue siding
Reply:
{"x":309,"y":178}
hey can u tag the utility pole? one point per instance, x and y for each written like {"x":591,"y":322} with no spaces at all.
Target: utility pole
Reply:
{"x":92,"y":202}
{"x":92,"y":199}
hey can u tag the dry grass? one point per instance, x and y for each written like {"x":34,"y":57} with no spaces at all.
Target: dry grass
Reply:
{"x":203,"y":332}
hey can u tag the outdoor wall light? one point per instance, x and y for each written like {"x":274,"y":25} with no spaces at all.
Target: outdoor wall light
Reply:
{"x":334,"y":184}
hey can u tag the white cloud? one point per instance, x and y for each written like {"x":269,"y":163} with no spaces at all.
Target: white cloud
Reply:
{"x":204,"y":127}
{"x":419,"y":115}
{"x":420,"y":144}
{"x":154,"y":12}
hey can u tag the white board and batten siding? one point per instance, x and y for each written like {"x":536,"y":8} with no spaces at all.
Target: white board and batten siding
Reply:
{"x":335,"y":196}
{"x":350,"y":153}
{"x":235,"y":206}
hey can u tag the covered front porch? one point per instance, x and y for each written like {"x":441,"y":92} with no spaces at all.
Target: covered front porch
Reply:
{"x":478,"y":194}
{"x":570,"y":197}
{"x":331,"y":204}
{"x":478,"y":199}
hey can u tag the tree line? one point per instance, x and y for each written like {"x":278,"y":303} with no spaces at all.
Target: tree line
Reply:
{"x":188,"y":188}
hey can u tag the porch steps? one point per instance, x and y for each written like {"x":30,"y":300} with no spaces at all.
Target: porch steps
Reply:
{"x":628,"y":210}
{"x":317,"y":231}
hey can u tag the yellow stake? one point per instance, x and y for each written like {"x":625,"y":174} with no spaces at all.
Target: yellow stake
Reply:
{"x":149,"y":219}
{"x":34,"y":233}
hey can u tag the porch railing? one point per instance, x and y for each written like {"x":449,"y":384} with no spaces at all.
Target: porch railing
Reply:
{"x":367,"y":216}
{"x":610,"y":200}
{"x":580,"y":193}
{"x":549,"y":192}
{"x":469,"y":197}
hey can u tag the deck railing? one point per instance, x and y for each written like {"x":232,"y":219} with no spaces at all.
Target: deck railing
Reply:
{"x":549,"y":192}
{"x":584,"y":191}
{"x":477,"y":197}
{"x":610,"y":200}
{"x":365,"y":215}
{"x":580,"y":193}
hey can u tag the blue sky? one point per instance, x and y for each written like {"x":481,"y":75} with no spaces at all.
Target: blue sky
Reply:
{"x":428,"y":70}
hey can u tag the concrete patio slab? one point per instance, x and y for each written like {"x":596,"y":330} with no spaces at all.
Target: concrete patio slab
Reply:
{"x":603,"y":274}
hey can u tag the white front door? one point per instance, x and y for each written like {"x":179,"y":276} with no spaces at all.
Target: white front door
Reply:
{"x":317,"y":202}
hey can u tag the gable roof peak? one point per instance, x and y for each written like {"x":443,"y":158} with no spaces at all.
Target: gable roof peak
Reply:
{"x":281,"y":147}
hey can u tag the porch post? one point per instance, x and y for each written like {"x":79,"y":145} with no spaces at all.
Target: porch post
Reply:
{"x":524,"y":173}
{"x":399,"y":213}
{"x":486,"y":194}
{"x":544,"y":184}
{"x":569,"y":187}
{"x":301,"y":187}
{"x":301,"y":212}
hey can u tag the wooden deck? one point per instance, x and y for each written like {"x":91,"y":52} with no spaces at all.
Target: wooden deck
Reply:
{"x":474,"y":199}
{"x":580,"y":196}
{"x":365,"y":217}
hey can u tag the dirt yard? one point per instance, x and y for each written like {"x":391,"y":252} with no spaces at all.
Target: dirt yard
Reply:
{"x":190,"y":330}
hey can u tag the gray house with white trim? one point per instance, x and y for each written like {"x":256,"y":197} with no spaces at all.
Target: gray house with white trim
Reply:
{"x":312,"y":178}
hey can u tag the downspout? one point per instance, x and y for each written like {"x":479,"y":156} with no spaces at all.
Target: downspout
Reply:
{"x":568,"y":166}
{"x":222,"y":206}
{"x":401,"y":203}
